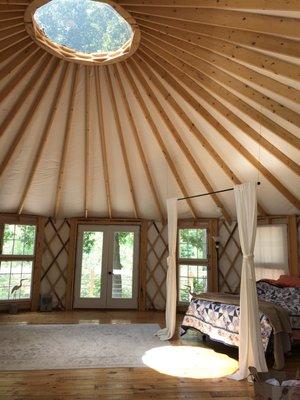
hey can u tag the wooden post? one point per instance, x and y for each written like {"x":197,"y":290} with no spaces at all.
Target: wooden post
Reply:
{"x":71,"y":264}
{"x":36,"y":282}
{"x":293,"y":250}
{"x":213,"y":228}
{"x":143,"y":266}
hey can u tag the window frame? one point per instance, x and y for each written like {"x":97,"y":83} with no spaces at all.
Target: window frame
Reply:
{"x":20,"y":220}
{"x":211,"y":226}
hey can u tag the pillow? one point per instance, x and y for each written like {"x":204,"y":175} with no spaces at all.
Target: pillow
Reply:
{"x":284,"y":281}
{"x":289,"y":281}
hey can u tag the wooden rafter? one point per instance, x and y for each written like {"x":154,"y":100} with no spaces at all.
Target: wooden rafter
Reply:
{"x":245,"y":39}
{"x":30,"y":114}
{"x":87,"y":141}
{"x":233,"y":59}
{"x":256,"y":163}
{"x":45,"y":135}
{"x":158,"y":137}
{"x":263,"y":5}
{"x":122,"y":141}
{"x":182,"y":146}
{"x":224,"y":78}
{"x":138,"y":143}
{"x":102,"y":138}
{"x":25,"y":93}
{"x":212,"y":86}
{"x":22,"y":72}
{"x":270,"y":24}
{"x":17,"y":60}
{"x":217,"y":105}
{"x":70,"y":112}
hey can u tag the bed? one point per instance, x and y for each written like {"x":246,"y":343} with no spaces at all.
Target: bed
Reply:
{"x":217,"y":315}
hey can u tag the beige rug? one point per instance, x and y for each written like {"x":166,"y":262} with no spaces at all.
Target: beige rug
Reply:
{"x":75,"y":346}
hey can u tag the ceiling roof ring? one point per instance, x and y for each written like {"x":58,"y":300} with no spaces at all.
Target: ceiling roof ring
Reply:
{"x":68,"y":54}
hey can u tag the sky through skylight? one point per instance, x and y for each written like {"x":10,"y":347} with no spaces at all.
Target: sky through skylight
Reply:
{"x":83,"y":25}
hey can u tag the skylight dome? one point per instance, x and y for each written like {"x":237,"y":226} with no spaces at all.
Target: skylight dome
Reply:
{"x":87,"y":31}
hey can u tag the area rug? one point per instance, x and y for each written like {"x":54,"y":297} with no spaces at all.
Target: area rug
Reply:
{"x":75,"y":346}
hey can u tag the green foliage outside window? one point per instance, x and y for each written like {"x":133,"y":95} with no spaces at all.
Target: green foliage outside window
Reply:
{"x":83,"y":25}
{"x":192,"y":243}
{"x":18,"y":240}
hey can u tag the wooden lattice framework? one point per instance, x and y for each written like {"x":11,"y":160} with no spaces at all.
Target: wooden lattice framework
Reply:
{"x":54,"y":260}
{"x":157,"y":251}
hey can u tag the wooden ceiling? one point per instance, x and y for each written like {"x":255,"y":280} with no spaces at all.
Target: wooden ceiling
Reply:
{"x":209,"y":99}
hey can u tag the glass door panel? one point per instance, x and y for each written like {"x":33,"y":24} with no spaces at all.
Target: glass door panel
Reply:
{"x":90,"y":277}
{"x":123,"y":263}
{"x":107,"y":267}
{"x":91,"y":267}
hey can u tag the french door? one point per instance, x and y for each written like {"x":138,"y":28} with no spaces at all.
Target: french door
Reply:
{"x":107,"y":266}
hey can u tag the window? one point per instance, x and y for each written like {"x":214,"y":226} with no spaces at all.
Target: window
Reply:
{"x":90,"y":31}
{"x":17,"y":247}
{"x":271,"y":252}
{"x":192,"y":262}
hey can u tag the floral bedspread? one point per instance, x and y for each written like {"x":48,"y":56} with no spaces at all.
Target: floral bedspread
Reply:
{"x":220,"y":322}
{"x":286,"y":297}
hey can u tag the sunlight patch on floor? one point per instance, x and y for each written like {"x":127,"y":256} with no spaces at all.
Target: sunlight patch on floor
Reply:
{"x":189,"y":362}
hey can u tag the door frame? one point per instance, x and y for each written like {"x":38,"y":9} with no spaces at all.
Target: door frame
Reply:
{"x":72,"y":248}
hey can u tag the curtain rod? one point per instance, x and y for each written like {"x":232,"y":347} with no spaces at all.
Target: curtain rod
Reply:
{"x":207,"y":194}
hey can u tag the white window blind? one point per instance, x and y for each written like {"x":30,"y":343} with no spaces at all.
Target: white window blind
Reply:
{"x":271,"y":252}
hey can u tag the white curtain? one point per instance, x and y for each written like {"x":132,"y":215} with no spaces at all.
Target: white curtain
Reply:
{"x":169,"y":330}
{"x":251,"y":351}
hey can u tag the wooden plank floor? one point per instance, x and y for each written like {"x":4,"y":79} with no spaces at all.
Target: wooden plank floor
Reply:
{"x":116,"y":383}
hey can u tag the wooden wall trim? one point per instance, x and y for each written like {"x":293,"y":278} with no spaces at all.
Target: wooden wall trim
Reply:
{"x":71,"y":264}
{"x":36,"y":281}
{"x":293,"y":250}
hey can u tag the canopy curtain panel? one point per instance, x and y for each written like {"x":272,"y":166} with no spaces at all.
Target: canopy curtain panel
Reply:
{"x":251,"y":351}
{"x":171,"y":285}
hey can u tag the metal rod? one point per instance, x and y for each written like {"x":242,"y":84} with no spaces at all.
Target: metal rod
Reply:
{"x":207,"y":194}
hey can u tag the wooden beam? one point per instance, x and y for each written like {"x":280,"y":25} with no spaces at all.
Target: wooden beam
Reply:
{"x":223,"y":78}
{"x":244,"y":38}
{"x":36,"y":281}
{"x":7,"y":42}
{"x":87,"y":141}
{"x":232,"y":58}
{"x":138,"y":142}
{"x":261,"y":5}
{"x":182,"y":146}
{"x":71,"y":264}
{"x":21,"y":73}
{"x":17,"y":60}
{"x":49,"y":75}
{"x":102,"y":138}
{"x":143,"y":266}
{"x":6,"y":33}
{"x":25,"y":93}
{"x":158,"y":137}
{"x":212,"y":86}
{"x":258,"y":165}
{"x":122,"y":141}
{"x":45,"y":135}
{"x":270,"y":24}
{"x":217,"y":105}
{"x":14,"y":48}
{"x":293,"y":247}
{"x":190,"y":125}
{"x":67,"y":134}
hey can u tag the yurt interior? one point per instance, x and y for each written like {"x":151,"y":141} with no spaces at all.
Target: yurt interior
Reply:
{"x":149,"y":199}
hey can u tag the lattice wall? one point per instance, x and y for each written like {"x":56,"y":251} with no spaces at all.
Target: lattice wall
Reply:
{"x":54,"y":261}
{"x":230,"y":257}
{"x":156,"y":266}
